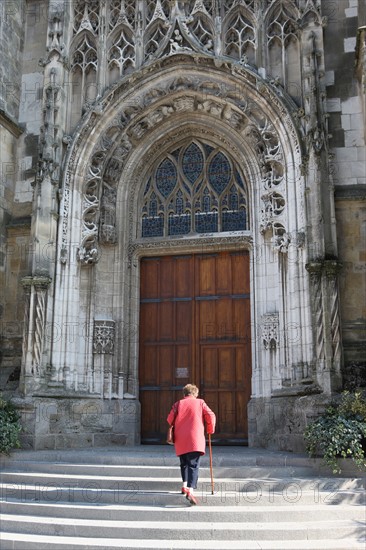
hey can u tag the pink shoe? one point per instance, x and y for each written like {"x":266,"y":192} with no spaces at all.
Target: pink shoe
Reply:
{"x":184,"y":491}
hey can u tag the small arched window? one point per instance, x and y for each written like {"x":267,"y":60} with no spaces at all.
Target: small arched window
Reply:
{"x":195,"y":189}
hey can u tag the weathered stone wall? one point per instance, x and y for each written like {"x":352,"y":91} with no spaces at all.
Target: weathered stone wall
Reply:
{"x":23,"y":39}
{"x":73,"y":423}
{"x":279,"y":423}
{"x":30,"y":110}
{"x":11,"y":47}
{"x":345,"y":103}
{"x":351,"y":223}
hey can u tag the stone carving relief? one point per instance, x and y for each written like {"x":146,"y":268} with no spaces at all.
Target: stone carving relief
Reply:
{"x":107,"y":222}
{"x":107,"y":231}
{"x":55,"y":30}
{"x":315,"y":97}
{"x":99,"y":197}
{"x":48,"y":163}
{"x":177,"y":43}
{"x":88,"y":252}
{"x":270,"y":331}
{"x":281,"y":239}
{"x":273,"y":206}
{"x":103,"y":337}
{"x":271,"y":159}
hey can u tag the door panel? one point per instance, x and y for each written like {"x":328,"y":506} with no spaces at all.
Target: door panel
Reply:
{"x":195,"y":327}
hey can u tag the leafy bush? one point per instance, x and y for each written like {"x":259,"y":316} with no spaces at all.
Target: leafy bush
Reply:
{"x":353,"y":404}
{"x":339,"y":432}
{"x":10,"y":427}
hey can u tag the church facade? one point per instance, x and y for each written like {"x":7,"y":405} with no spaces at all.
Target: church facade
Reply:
{"x":183,"y":188}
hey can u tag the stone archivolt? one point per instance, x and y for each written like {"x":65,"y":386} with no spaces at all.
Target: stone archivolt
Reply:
{"x":195,"y":94}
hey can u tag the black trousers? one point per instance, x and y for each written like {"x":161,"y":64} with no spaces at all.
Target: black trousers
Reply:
{"x":189,"y":467}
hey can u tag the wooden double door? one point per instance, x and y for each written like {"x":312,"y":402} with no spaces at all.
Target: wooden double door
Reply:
{"x":195,"y":328}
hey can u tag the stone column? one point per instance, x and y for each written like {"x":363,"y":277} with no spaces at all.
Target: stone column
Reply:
{"x":331,"y":270}
{"x":326,"y":322}
{"x":33,"y":372}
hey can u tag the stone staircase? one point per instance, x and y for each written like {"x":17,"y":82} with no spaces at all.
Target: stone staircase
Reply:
{"x":130,"y":498}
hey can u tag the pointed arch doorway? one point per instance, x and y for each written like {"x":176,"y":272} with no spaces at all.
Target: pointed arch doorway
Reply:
{"x":195,"y":307}
{"x":195,"y":327}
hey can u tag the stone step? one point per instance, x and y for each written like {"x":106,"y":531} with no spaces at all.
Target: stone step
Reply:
{"x":183,"y":512}
{"x":172,"y":481}
{"x":157,"y":471}
{"x":166,"y":530}
{"x":135,"y":495}
{"x":16,"y":541}
{"x":164,"y":455}
{"x":131,"y":498}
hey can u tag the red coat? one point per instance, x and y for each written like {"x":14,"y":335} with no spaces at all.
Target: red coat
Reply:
{"x":189,"y":424}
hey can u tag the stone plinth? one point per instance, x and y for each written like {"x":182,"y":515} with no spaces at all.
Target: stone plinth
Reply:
{"x":58,"y":423}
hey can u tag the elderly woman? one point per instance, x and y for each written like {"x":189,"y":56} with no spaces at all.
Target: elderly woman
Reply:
{"x":190,"y":416}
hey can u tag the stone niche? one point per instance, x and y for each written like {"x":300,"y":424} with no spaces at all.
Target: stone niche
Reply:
{"x":61,"y":423}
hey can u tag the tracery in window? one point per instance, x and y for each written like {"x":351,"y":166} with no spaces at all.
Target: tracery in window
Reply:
{"x":195,"y":189}
{"x":200,"y":25}
{"x":239,"y":38}
{"x":284,"y":50}
{"x":155,"y":9}
{"x":84,"y":62}
{"x":121,"y":56}
{"x":86,"y":15}
{"x":229,"y":4}
{"x":122,"y":11}
{"x":205,"y":6}
{"x":154,"y":38}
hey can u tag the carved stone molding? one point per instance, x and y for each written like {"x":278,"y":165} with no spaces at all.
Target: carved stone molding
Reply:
{"x":331,"y":268}
{"x":38,"y":281}
{"x":103,"y":337}
{"x":204,"y":243}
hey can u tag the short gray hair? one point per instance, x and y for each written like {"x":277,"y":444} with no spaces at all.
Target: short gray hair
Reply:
{"x":190,"y":389}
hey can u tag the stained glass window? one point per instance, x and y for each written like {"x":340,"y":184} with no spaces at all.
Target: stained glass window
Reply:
{"x":195,"y":189}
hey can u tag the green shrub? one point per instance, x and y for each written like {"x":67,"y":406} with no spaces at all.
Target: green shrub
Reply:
{"x":340,"y":432}
{"x":10,"y":427}
{"x":353,"y":405}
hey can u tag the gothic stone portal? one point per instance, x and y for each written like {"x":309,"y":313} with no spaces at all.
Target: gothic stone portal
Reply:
{"x":134,"y":187}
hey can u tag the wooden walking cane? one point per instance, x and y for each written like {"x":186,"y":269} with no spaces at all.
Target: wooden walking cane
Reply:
{"x":211,"y":472}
